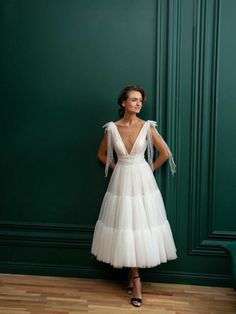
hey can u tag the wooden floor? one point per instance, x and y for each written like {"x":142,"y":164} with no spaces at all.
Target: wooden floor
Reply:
{"x":46,"y":295}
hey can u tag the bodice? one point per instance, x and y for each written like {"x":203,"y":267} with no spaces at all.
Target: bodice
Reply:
{"x":142,"y":142}
{"x":139,"y":145}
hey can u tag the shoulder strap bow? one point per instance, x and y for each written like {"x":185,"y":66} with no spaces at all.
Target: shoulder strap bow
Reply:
{"x":150,"y":151}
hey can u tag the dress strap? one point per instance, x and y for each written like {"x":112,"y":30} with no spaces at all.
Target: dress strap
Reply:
{"x":150,"y":150}
{"x":110,"y":158}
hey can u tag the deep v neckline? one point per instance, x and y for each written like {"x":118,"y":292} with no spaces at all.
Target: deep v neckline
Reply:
{"x":139,"y":134}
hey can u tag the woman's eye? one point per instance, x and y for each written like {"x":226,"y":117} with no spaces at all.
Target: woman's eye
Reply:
{"x":135,"y":99}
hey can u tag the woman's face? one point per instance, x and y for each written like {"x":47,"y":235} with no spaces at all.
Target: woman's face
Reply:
{"x":134,"y":102}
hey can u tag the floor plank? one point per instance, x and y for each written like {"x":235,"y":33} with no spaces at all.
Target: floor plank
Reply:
{"x":21,"y":294}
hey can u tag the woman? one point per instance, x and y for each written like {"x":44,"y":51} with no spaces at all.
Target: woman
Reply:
{"x":132,"y":229}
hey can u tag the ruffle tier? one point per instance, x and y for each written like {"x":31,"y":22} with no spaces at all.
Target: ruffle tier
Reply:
{"x":134,"y":248}
{"x":133,"y":231}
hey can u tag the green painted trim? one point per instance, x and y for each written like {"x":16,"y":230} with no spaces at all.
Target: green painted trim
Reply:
{"x":45,"y":235}
{"x":223,"y":234}
{"x":195,"y":143}
{"x":167,"y":95}
{"x":172,"y":108}
{"x":44,"y":226}
{"x":87,"y":272}
{"x":214,"y":87}
{"x":203,"y":128}
{"x":160,"y":74}
{"x":215,"y":234}
{"x":230,"y":248}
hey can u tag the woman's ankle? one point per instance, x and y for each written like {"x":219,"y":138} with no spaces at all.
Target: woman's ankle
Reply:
{"x":134,"y":272}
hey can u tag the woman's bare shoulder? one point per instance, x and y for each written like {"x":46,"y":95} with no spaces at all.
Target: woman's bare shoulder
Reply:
{"x":117,"y":122}
{"x":142,"y":121}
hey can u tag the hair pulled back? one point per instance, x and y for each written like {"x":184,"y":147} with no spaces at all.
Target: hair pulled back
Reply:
{"x":125,"y":93}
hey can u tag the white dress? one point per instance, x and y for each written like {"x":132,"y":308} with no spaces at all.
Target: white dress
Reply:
{"x":132,"y":229}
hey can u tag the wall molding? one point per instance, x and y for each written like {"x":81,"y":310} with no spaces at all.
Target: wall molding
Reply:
{"x":45,"y":234}
{"x":172,"y":106}
{"x":167,"y":80}
{"x":180,"y":277}
{"x":203,"y":239}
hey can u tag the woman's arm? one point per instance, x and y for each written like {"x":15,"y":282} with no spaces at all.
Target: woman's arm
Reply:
{"x":102,"y":151}
{"x":160,"y":146}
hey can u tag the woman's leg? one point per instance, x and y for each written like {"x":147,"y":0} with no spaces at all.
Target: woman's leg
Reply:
{"x":134,"y":271}
{"x":137,"y":287}
{"x":130,"y":282}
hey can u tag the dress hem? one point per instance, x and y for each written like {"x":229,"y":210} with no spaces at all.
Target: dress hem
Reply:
{"x":130,"y":266}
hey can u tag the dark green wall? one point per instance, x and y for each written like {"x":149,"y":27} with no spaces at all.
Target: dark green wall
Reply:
{"x":62,"y":65}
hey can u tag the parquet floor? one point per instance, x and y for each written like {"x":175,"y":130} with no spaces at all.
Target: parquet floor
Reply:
{"x":21,"y":294}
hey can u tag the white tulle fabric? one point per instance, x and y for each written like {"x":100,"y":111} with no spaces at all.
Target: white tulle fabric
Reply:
{"x":153,"y":124}
{"x":132,"y":229}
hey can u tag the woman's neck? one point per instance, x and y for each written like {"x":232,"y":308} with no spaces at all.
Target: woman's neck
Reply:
{"x":129,"y":119}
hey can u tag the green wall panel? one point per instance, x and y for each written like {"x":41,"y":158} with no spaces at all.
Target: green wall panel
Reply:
{"x":225,"y":185}
{"x":62,"y":69}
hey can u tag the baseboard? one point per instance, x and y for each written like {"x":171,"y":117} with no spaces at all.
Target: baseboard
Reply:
{"x":178,"y":277}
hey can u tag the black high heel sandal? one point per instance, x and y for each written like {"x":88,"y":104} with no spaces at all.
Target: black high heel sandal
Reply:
{"x":129,"y":290}
{"x":137,"y":302}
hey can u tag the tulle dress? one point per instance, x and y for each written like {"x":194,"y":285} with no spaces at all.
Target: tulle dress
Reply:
{"x":132,"y":229}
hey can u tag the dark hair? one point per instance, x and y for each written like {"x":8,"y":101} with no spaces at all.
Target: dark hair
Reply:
{"x":124,"y":95}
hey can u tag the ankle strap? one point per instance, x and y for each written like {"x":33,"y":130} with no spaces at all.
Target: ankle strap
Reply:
{"x":136,"y":277}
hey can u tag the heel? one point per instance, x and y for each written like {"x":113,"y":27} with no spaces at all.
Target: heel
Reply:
{"x":135,"y":301}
